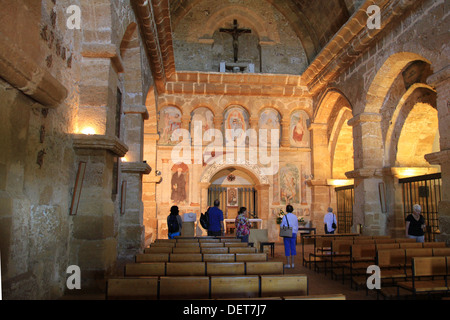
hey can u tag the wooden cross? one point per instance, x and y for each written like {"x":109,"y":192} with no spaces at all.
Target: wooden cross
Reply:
{"x":235,"y":33}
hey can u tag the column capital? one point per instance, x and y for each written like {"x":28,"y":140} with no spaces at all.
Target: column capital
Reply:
{"x":440,"y":157}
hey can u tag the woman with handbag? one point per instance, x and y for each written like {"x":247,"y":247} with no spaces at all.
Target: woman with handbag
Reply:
{"x":288,"y":230}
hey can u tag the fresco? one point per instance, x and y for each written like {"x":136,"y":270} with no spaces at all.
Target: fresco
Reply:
{"x":269,"y":119}
{"x":298,"y":130}
{"x":289,"y":184}
{"x":235,"y":118}
{"x":169,"y":121}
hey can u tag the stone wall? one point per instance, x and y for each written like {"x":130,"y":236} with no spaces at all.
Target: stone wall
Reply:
{"x":42,"y":142}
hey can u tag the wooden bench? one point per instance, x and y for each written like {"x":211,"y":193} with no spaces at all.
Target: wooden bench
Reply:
{"x":186,"y":250}
{"x":184,"y":288}
{"x":234,"y":287}
{"x":242,"y":250}
{"x":207,"y":287}
{"x":266,"y":267}
{"x":133,"y":289}
{"x":185,"y":269}
{"x":248,"y":257}
{"x":220,"y":257}
{"x":145,"y":269}
{"x":425,"y":270}
{"x":284,"y":285}
{"x":215,"y":250}
{"x":153,"y":257}
{"x":228,"y":268}
{"x":338,"y":296}
{"x":186,"y":257}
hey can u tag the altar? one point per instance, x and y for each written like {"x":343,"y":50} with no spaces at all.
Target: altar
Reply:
{"x":229,"y":223}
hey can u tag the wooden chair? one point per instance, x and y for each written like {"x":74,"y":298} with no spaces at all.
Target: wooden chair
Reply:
{"x":424,"y":273}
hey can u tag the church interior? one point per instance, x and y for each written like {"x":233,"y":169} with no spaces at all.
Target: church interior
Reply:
{"x":113,"y":111}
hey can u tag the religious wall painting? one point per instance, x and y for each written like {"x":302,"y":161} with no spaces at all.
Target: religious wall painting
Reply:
{"x":202,"y":119}
{"x":169,"y":121}
{"x":232,"y":197}
{"x":269,"y":120}
{"x":289,"y":184}
{"x":179,"y":183}
{"x":235,"y":118}
{"x":298,"y":129}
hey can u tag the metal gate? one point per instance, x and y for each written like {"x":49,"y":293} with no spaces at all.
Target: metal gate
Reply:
{"x":425,"y":191}
{"x":247,"y":197}
{"x":345,"y":199}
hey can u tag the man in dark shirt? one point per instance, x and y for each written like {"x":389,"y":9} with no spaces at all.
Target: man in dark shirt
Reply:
{"x":215,"y":220}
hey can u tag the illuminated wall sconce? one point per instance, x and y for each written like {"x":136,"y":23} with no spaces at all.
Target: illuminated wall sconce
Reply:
{"x":88,"y":131}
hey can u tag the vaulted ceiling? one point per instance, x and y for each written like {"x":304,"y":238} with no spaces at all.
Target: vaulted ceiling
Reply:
{"x":314,"y":21}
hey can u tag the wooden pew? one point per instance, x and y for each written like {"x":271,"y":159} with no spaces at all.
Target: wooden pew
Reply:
{"x":284,"y":285}
{"x":212,"y":257}
{"x":183,"y":288}
{"x":132,"y":288}
{"x":154,"y":257}
{"x":266,"y":267}
{"x":228,"y":268}
{"x":145,"y":269}
{"x":186,"y":257}
{"x":226,"y":287}
{"x":338,"y":296}
{"x":242,"y":250}
{"x":215,"y":250}
{"x":248,"y":257}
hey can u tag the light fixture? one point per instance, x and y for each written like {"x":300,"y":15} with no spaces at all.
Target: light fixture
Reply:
{"x":88,"y":131}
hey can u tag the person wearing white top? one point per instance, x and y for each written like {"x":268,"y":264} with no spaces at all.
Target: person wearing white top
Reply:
{"x":290,"y":249}
{"x":328,"y":220}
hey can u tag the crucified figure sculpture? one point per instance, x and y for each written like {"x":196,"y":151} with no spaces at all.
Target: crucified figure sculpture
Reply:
{"x":235,"y":33}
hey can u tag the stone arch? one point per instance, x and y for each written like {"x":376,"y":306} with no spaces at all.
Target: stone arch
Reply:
{"x":341,"y":145}
{"x":385,"y":77}
{"x":417,"y":93}
{"x":251,"y":169}
{"x":327,"y":103}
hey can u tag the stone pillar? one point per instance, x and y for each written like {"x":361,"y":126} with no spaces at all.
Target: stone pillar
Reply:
{"x":149,"y":188}
{"x":441,"y":81}
{"x":321,"y":171}
{"x":285,"y":142}
{"x":94,"y":242}
{"x":268,"y":222}
{"x":368,"y":148}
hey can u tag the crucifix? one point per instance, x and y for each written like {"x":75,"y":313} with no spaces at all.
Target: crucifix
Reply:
{"x":235,"y":33}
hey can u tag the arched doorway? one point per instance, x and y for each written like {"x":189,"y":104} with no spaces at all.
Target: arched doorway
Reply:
{"x":251,"y":189}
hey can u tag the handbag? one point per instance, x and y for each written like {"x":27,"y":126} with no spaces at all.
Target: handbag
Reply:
{"x":286,"y":232}
{"x":334,"y":224}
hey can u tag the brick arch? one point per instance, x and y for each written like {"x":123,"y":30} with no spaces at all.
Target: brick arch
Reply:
{"x":385,"y":77}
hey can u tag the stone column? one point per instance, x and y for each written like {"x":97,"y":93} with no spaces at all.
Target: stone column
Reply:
{"x":368,"y":150}
{"x":94,"y":242}
{"x":441,"y":81}
{"x":285,"y":142}
{"x":321,"y":171}
{"x":149,"y":187}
